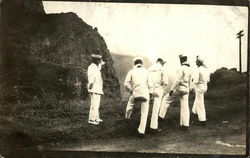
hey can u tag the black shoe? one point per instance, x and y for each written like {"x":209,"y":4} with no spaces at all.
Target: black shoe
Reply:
{"x":160,"y":119}
{"x":184,"y":128}
{"x":202,"y":123}
{"x":155,"y":131}
{"x":140,"y":135}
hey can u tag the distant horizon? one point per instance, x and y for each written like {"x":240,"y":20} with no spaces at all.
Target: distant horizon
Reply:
{"x":131,"y":55}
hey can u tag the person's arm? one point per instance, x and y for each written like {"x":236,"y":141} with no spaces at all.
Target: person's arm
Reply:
{"x":178,"y":78}
{"x":207,"y":75}
{"x":164,"y":78}
{"x":91,"y":77}
{"x":150,"y":81}
{"x":128,"y":82}
{"x":204,"y":75}
{"x":195,"y":76}
{"x":190,"y":82}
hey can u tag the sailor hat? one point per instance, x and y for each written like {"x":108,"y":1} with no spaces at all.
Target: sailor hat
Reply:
{"x":138,"y":58}
{"x":96,"y":56}
{"x":200,"y":59}
{"x":160,"y":58}
{"x":182,"y":55}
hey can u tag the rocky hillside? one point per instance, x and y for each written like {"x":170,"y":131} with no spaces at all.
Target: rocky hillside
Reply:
{"x":227,"y":83}
{"x":49,"y":53}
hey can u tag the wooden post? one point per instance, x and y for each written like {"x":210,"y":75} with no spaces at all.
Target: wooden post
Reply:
{"x":240,"y":54}
{"x":239,"y":35}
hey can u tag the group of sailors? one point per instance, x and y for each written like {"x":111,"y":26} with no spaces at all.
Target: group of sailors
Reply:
{"x":144,"y":85}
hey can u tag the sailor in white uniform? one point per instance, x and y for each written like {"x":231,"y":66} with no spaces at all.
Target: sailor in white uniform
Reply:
{"x":156,"y":87}
{"x":180,"y":89}
{"x":200,"y":89}
{"x":136,"y":83}
{"x":95,"y":88}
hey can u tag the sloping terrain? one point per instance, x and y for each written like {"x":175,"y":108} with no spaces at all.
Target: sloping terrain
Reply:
{"x":43,"y":61}
{"x":66,"y":128}
{"x":224,"y":134}
{"x":49,"y":53}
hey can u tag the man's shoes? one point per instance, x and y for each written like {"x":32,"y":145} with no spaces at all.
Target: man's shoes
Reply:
{"x":201,"y":123}
{"x":93,"y":122}
{"x":155,"y":131}
{"x":99,"y":120}
{"x":184,"y":128}
{"x":160,"y":119}
{"x":140,"y":135}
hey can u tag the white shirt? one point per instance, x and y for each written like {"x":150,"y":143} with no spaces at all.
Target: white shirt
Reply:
{"x":203,"y":76}
{"x":95,"y":77}
{"x":136,"y":81}
{"x":183,"y":78}
{"x":156,"y":77}
{"x":165,"y":74}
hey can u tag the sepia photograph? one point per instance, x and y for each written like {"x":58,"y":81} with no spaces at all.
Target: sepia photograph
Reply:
{"x":122,"y":77}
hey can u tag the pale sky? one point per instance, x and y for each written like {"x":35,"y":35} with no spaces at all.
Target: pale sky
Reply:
{"x":166,"y":30}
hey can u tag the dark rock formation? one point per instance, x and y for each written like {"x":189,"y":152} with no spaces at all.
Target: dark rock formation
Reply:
{"x":224,"y":78}
{"x":49,"y":53}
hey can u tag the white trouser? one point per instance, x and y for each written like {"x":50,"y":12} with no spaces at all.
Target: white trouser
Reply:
{"x":156,"y":107}
{"x":199,"y":107}
{"x":144,"y":112}
{"x":184,"y":111}
{"x":94,"y":107}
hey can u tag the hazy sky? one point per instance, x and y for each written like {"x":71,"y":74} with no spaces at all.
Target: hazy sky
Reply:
{"x":166,"y":30}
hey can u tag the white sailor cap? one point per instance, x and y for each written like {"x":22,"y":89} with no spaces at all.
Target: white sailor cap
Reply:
{"x":160,"y":58}
{"x":200,"y":59}
{"x":96,"y":56}
{"x":182,"y":55}
{"x":138,"y":58}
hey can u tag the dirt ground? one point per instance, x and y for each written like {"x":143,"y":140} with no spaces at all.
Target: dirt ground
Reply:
{"x":65,"y":128}
{"x":201,"y":143}
{"x":224,"y":134}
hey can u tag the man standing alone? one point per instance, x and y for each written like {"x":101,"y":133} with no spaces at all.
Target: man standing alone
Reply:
{"x":200,"y":89}
{"x":95,"y":85}
{"x":136,"y":84}
{"x":180,"y":89}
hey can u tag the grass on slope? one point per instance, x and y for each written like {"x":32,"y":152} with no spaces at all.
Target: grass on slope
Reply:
{"x":47,"y":121}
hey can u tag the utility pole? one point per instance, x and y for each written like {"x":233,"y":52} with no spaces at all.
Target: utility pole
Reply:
{"x":239,"y":35}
